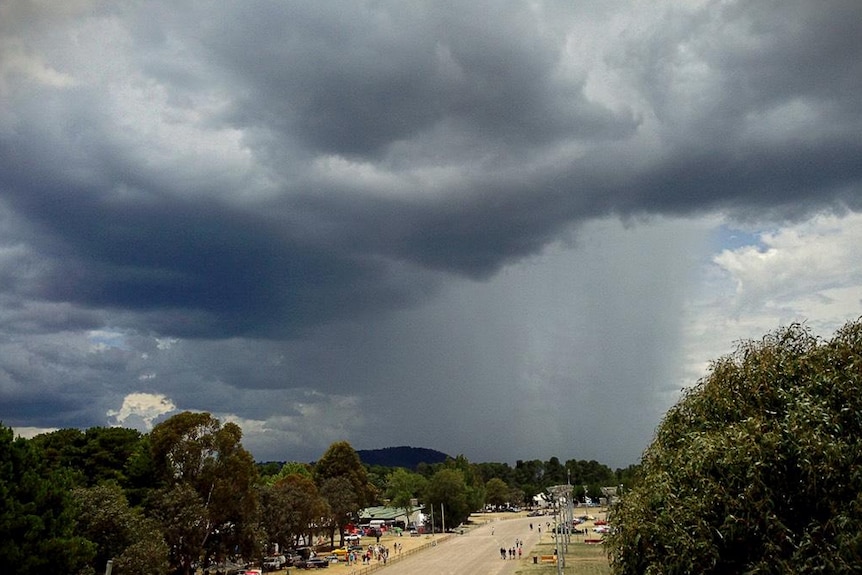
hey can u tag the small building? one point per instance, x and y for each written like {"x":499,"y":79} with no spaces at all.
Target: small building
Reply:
{"x":541,"y":500}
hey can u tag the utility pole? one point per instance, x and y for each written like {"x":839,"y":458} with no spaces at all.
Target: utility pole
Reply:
{"x":561,"y":493}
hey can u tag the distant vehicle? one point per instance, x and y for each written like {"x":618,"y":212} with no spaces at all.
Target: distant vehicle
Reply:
{"x":274,"y":563}
{"x":602,"y":529}
{"x":316,"y":562}
{"x":353,"y":537}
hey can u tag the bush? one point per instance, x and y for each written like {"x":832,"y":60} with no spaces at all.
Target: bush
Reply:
{"x":757,"y":468}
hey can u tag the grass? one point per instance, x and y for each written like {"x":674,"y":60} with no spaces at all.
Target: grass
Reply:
{"x":582,"y":559}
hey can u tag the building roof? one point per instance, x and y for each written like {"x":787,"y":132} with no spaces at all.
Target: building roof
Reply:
{"x":384,"y":513}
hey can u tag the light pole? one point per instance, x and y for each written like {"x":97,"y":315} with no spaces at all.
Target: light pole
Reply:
{"x":560,"y":492}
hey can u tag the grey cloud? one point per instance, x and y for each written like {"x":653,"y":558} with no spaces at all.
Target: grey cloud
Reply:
{"x":354,"y":82}
{"x":474,"y":137}
{"x":716,"y":72}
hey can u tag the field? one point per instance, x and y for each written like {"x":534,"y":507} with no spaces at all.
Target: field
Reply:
{"x":581,"y":559}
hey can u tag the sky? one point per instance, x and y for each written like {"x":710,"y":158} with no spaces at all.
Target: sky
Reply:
{"x":506,"y":230}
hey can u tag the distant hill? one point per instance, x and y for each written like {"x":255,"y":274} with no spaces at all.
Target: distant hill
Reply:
{"x":408,"y":457}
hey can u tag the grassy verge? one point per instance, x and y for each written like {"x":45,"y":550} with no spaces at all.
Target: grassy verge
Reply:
{"x":582,"y":559}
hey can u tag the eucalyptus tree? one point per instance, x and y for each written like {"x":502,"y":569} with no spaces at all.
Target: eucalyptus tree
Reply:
{"x":342,"y":504}
{"x":497,"y":492}
{"x":447,"y":493}
{"x":351,"y":492}
{"x":403,"y":488}
{"x":202,"y":463}
{"x":134,"y":542}
{"x":757,"y":468}
{"x":291,"y":508}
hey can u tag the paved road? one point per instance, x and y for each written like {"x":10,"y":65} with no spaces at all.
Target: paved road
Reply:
{"x":476,"y":552}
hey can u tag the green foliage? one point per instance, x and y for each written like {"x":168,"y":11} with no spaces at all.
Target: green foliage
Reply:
{"x":448,"y":489}
{"x":288,"y":507}
{"x":184,"y":521}
{"x":342,"y":502}
{"x":302,"y":505}
{"x":288,"y":468}
{"x":757,"y":468}
{"x":343,"y":483}
{"x":36,"y":520}
{"x":340,"y":460}
{"x":402,"y":487}
{"x":496,"y":492}
{"x":97,"y":454}
{"x":202,"y":464}
{"x":378,"y":477}
{"x":147,"y":554}
{"x":119,"y":532}
{"x":188,"y":490}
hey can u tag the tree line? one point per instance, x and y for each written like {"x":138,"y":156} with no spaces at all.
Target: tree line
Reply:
{"x":189,"y":494}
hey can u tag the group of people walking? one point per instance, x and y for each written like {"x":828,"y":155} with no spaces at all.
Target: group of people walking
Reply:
{"x":378,"y":552}
{"x":512,"y":552}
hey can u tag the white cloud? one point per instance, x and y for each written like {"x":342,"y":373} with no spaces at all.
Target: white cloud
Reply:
{"x":799,"y":266}
{"x":139,"y":410}
{"x":164,"y":343}
{"x":31,"y":432}
{"x":806,"y":272}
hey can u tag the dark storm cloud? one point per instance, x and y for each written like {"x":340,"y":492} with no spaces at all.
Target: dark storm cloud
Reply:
{"x":288,"y":184}
{"x":234,"y":273}
{"x":353,"y":81}
{"x":487,"y":92}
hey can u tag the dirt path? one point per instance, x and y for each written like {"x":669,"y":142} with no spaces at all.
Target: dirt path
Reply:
{"x":475,"y":552}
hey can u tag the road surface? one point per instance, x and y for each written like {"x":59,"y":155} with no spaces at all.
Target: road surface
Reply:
{"x":474,"y":553}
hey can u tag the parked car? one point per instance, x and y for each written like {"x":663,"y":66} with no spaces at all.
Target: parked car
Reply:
{"x":274,"y":563}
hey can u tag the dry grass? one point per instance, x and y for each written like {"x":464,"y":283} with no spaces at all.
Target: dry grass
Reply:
{"x":581,"y":559}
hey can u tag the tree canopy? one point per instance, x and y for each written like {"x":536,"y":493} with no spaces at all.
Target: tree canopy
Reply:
{"x":757,"y":468}
{"x":36,"y":523}
{"x":207,"y":500}
{"x":188,"y":493}
{"x":448,"y":491}
{"x":343,"y":482}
